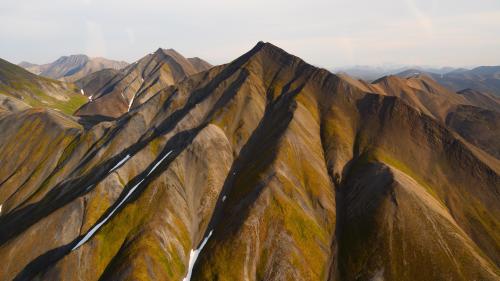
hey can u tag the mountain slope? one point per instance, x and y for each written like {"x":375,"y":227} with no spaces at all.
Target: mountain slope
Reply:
{"x":272,"y":169}
{"x":72,"y":68}
{"x":137,"y":82}
{"x":37,"y":91}
{"x":433,"y":99}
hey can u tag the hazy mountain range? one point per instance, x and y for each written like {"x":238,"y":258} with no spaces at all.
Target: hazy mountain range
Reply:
{"x":482,"y":78}
{"x":72,"y":68}
{"x":265,"y":168}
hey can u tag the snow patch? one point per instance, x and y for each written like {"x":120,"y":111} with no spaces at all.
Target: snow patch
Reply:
{"x":120,"y":163}
{"x":82,"y":92}
{"x":130,"y":103}
{"x":93,"y":230}
{"x":159,"y":162}
{"x":90,"y":98}
{"x":193,"y":256}
{"x":223,"y":198}
{"x":0,"y":209}
{"x":97,"y":226}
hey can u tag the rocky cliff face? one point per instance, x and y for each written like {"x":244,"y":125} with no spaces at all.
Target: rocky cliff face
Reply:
{"x":266,"y":168}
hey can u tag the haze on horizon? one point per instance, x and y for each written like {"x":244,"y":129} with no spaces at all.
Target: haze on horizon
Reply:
{"x":327,"y":33}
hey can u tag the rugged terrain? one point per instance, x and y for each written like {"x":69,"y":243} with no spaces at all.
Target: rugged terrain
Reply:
{"x":114,"y":94}
{"x":265,"y":168}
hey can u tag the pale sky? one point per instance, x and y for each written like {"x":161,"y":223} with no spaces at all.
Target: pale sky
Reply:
{"x":327,"y":33}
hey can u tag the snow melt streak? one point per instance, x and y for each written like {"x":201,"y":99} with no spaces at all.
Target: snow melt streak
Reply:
{"x":130,"y":103}
{"x":193,"y":256}
{"x":97,"y":226}
{"x":120,"y":163}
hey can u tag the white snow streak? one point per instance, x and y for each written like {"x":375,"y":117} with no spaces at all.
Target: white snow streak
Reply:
{"x":90,"y":98}
{"x":130,"y":103}
{"x":81,"y":91}
{"x":194,"y":255}
{"x":223,"y":198}
{"x":0,"y":209}
{"x":97,"y":226}
{"x":120,"y":163}
{"x":159,"y":162}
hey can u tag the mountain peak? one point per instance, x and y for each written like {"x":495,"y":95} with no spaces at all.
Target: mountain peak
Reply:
{"x":267,"y":53}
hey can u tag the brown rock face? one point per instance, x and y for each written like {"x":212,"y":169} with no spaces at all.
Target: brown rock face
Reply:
{"x":266,"y":168}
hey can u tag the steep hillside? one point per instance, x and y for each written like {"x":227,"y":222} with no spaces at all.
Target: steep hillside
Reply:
{"x":137,"y":82}
{"x":37,"y":91}
{"x":93,"y":82}
{"x":266,"y":168}
{"x":429,"y":97}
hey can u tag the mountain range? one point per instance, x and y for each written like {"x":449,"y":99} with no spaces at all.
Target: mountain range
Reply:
{"x":72,"y":68}
{"x":483,"y":78}
{"x":265,"y":168}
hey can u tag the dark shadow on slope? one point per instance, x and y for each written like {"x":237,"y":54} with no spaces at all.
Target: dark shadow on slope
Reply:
{"x":175,"y":145}
{"x":19,"y":220}
{"x":360,"y":195}
{"x":243,"y":183}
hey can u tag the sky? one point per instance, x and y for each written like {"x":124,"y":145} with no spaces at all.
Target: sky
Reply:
{"x":326,"y":33}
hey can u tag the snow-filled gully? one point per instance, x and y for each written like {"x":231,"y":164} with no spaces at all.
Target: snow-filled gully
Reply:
{"x":96,"y":227}
{"x":193,"y":256}
{"x":120,"y":163}
{"x":130,"y":103}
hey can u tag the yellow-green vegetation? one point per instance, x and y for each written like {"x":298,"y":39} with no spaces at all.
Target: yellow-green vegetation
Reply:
{"x":133,"y":223}
{"x":384,"y":157}
{"x":38,"y":91}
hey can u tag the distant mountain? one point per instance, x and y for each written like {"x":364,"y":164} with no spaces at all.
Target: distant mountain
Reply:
{"x":115,"y":93}
{"x":429,"y":97}
{"x":36,"y":91}
{"x":484,"y":78}
{"x":370,"y":73}
{"x":72,"y":68}
{"x":265,"y":168}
